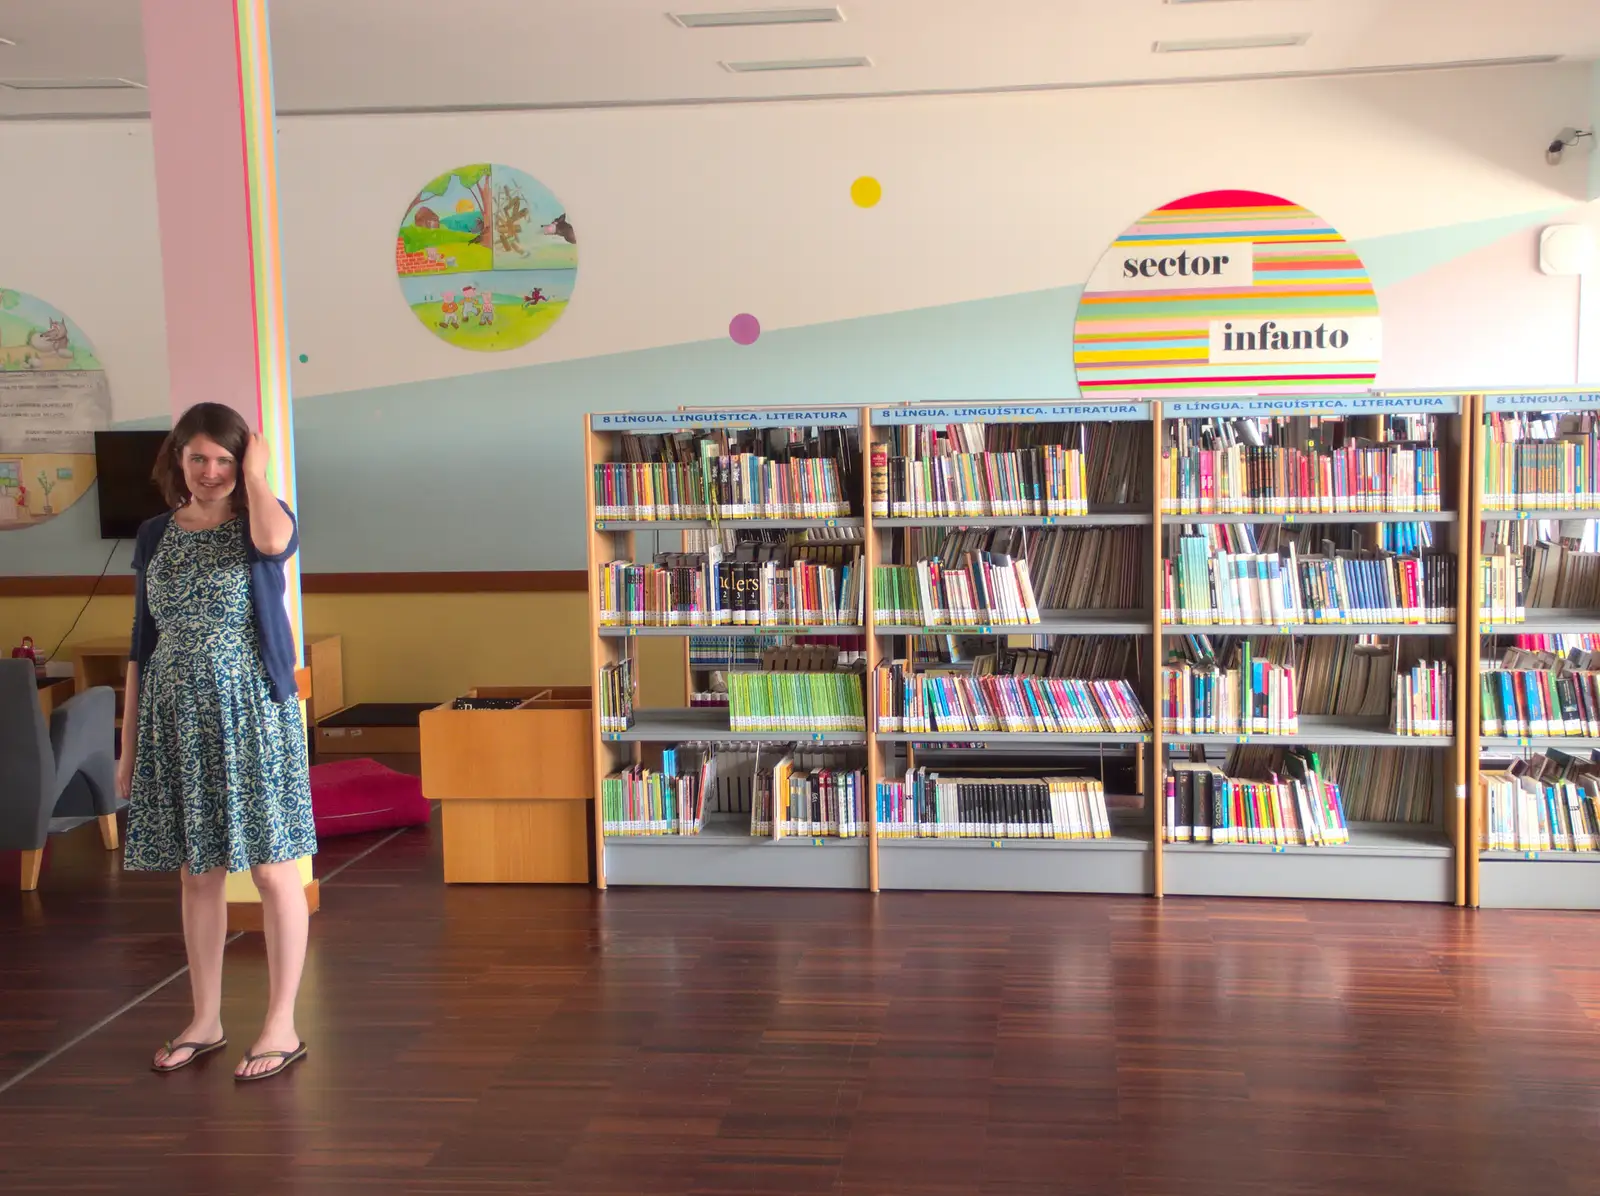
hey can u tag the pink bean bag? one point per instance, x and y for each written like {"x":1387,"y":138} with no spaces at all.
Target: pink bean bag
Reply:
{"x":349,"y":797}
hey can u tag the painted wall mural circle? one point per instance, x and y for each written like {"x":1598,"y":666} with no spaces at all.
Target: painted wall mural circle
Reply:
{"x":487,"y":257}
{"x":53,"y":399}
{"x":1228,"y":293}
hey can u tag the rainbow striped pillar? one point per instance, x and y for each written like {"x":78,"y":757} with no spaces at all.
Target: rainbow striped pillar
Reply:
{"x":209,"y":72}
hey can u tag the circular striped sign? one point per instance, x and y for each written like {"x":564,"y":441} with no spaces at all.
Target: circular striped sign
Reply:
{"x":1228,"y":293}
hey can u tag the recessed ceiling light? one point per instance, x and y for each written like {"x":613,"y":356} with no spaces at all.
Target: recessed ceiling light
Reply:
{"x":757,"y":16}
{"x":795,"y":64}
{"x":71,"y":84}
{"x":1200,"y":1}
{"x":1260,"y":41}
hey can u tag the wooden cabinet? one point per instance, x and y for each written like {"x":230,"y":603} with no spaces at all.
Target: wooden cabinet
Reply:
{"x":514,"y":786}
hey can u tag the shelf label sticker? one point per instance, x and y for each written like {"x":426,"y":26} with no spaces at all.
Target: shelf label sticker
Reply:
{"x":1288,"y":516}
{"x":1352,"y":404}
{"x":1530,"y":855}
{"x":997,"y":842}
{"x":1570,"y":401}
{"x":1012,"y":413}
{"x":1279,"y":849}
{"x":818,"y":842}
{"x":1461,"y":793}
{"x":721,"y":418}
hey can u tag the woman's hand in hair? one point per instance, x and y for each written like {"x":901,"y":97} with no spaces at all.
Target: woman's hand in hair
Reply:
{"x":256,"y":458}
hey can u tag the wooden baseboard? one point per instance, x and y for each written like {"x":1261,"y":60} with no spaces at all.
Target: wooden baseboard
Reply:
{"x":246,"y":915}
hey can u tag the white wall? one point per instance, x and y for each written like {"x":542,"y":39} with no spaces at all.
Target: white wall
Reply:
{"x":687,"y":216}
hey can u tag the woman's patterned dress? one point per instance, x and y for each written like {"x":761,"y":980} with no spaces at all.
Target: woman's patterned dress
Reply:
{"x":219,"y":776}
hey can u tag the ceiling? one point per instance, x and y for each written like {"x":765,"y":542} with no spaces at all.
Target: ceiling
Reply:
{"x":409,"y":55}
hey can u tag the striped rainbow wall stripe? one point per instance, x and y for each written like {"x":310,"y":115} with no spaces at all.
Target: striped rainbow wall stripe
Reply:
{"x":1157,"y":341}
{"x":254,"y":48}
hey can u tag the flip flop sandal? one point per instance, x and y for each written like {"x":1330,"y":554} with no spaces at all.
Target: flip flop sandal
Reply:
{"x":196,"y":1049}
{"x":288,"y":1058}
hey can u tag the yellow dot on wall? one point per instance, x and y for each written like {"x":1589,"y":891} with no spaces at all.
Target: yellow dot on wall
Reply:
{"x":866,"y":191}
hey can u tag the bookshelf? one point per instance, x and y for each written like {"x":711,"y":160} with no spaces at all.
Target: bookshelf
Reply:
{"x":1416,"y":809}
{"x":1359,"y":475}
{"x":1533,"y":491}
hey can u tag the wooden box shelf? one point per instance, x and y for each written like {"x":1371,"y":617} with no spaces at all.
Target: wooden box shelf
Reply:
{"x":514,"y":786}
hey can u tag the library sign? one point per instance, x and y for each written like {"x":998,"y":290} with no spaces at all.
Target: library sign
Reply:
{"x":1227,"y":293}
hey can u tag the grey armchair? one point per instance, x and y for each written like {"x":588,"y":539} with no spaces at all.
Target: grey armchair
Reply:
{"x":65,"y":770}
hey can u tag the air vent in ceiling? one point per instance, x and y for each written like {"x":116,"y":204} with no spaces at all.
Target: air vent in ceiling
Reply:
{"x":71,"y":85}
{"x":1260,"y":41}
{"x":795,"y":64}
{"x":757,"y":16}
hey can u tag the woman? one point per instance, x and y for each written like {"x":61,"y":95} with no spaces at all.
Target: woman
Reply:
{"x":213,"y":744}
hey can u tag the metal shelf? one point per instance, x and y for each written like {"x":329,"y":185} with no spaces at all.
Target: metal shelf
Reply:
{"x":1124,"y":863}
{"x":1547,"y":621}
{"x":1308,"y":628}
{"x":1106,"y":516}
{"x":952,"y":738}
{"x":1538,"y":880}
{"x":1505,"y":745}
{"x":1051,"y":622}
{"x":1322,"y":731}
{"x":1531,"y":513}
{"x":1317,"y":517}
{"x":680,"y":525}
{"x":730,"y":630}
{"x":726,"y":854}
{"x":710,"y":725}
{"x":1122,"y":839}
{"x":1382,"y":862}
{"x":1423,"y":840}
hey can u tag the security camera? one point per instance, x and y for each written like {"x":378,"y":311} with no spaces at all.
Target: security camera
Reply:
{"x":1567,"y":136}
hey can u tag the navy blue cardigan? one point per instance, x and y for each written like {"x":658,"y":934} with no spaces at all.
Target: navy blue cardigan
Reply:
{"x":266,"y":594}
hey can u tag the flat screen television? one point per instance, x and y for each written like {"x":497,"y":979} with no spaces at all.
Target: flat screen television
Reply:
{"x":123,"y":462}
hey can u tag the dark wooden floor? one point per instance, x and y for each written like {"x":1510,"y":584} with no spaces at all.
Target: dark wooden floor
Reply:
{"x":479,"y":1040}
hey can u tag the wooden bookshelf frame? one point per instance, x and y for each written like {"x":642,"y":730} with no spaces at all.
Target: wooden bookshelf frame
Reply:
{"x":1503,"y":879}
{"x":1454,"y":869}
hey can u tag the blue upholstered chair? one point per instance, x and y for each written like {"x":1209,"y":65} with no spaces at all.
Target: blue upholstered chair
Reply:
{"x":65,"y":770}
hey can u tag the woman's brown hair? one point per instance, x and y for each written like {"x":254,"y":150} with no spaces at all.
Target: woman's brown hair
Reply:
{"x":217,"y":422}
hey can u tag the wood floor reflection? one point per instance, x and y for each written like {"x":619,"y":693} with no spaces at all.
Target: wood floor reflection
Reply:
{"x":499,"y":1040}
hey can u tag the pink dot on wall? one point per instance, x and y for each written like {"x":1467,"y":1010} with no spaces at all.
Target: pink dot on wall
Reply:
{"x":744,"y":329}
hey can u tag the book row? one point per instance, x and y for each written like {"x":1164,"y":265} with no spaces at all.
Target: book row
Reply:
{"x":820,"y":802}
{"x":645,"y":801}
{"x":1547,"y":802}
{"x":1301,"y":809}
{"x":1299,"y":464}
{"x":905,"y":700}
{"x":799,"y":702}
{"x":1201,"y":586}
{"x":701,"y":590}
{"x":740,"y":487}
{"x":1539,"y":461}
{"x":926,"y":804}
{"x":976,"y":588}
{"x":1527,"y":693}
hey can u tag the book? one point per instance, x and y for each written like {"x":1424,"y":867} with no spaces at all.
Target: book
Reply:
{"x":615,"y":693}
